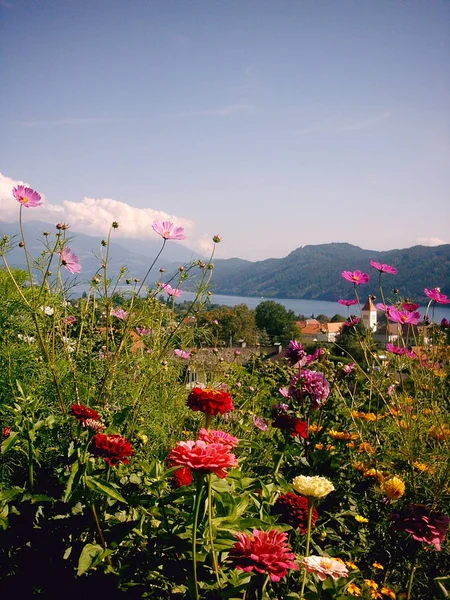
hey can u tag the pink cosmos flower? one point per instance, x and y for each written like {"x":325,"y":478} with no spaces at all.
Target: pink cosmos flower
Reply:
{"x":383,"y":268}
{"x":182,"y":353}
{"x":347,"y":302}
{"x":170,"y":290}
{"x":356,"y":277}
{"x":263,"y":552}
{"x":70,"y":260}
{"x":212,"y":436}
{"x":410,"y":306}
{"x":400,"y":351}
{"x":168,"y":231}
{"x":381,"y":306}
{"x":27,"y":196}
{"x":203,"y":457}
{"x":70,"y":320}
{"x":284,"y":392}
{"x":352,"y":322}
{"x":435,"y":294}
{"x":260,"y":423}
{"x":119,"y":313}
{"x":347,"y":369}
{"x":323,"y":567}
{"x":403,"y":316}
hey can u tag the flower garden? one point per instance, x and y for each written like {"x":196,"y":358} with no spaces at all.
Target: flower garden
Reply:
{"x":313,"y":477}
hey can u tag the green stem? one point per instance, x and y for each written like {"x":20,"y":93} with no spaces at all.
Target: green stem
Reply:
{"x":308,"y":540}
{"x":194,"y":533}
{"x":280,"y":460}
{"x":411,"y":575}
{"x":211,"y":537}
{"x":30,"y":464}
{"x":208,"y":420}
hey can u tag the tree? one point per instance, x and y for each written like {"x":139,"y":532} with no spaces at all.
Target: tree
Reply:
{"x":278,"y":322}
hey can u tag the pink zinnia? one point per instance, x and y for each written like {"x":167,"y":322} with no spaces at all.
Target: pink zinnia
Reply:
{"x":70,"y":260}
{"x":203,"y":457}
{"x":27,"y":196}
{"x":323,"y":567}
{"x":347,"y":302}
{"x":435,"y":294}
{"x":263,"y":552}
{"x":383,"y":268}
{"x":423,"y":524}
{"x":119,"y":313}
{"x":212,"y":436}
{"x":170,"y":290}
{"x":403,"y":316}
{"x":356,"y":277}
{"x":168,"y":231}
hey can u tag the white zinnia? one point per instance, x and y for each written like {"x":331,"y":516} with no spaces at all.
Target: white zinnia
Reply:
{"x":312,"y":487}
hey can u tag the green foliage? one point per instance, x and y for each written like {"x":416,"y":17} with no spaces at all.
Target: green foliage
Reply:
{"x":276,"y":320}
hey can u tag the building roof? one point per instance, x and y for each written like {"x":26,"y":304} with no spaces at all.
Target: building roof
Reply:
{"x":369,"y":306}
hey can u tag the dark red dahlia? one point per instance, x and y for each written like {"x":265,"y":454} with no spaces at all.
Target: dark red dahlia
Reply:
{"x":210,"y":401}
{"x":294,"y":511}
{"x":6,"y":432}
{"x":296,"y":427}
{"x":422,"y":523}
{"x":112,"y":447}
{"x":182,"y":477}
{"x":81,"y":412}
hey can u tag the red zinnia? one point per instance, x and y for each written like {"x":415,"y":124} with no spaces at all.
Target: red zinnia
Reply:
{"x":203,"y":457}
{"x":296,"y":427}
{"x":210,"y":401}
{"x":294,"y":511}
{"x":82,"y":413}
{"x":182,"y":476}
{"x":112,"y":447}
{"x":263,"y":552}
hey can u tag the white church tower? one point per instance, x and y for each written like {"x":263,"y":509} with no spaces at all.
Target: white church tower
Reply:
{"x":369,"y":315}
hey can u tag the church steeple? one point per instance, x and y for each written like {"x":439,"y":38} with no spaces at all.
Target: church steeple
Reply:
{"x":369,"y":314}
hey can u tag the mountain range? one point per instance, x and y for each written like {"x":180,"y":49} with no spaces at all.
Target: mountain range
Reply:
{"x":311,"y":272}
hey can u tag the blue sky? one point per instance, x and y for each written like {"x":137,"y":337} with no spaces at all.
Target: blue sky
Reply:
{"x":274,"y":123}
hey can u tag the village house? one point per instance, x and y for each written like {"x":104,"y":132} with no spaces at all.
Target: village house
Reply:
{"x":313,"y":331}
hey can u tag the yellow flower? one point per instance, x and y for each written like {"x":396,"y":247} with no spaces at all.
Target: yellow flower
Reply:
{"x":373,"y":473}
{"x":319,"y":446}
{"x":315,"y":428}
{"x":366,"y":447}
{"x":312,"y":487}
{"x":393,"y":488}
{"x":359,"y":466}
{"x":353,"y":590}
{"x":439,"y":432}
{"x":351,"y":445}
{"x":342,"y":435}
{"x":420,"y":466}
{"x":388,"y":592}
{"x":377,"y":565}
{"x":143,"y":438}
{"x":351,"y":565}
{"x":361,"y":519}
{"x":371,"y":583}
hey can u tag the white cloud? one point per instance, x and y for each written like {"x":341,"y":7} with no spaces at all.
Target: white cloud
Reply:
{"x":430,"y":241}
{"x":93,"y":216}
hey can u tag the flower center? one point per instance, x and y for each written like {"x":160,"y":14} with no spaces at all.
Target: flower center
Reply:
{"x":24,"y":200}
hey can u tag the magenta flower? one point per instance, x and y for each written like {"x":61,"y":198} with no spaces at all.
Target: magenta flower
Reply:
{"x":260,"y":423}
{"x":294,"y":352}
{"x":435,"y":294}
{"x":400,"y":351}
{"x":70,"y":260}
{"x":312,"y":384}
{"x":423,"y":524}
{"x":356,"y":277}
{"x":182,"y":353}
{"x":70,"y":320}
{"x":119,"y":313}
{"x":352,"y":322}
{"x":347,"y":302}
{"x":168,"y":231}
{"x":143,"y":331}
{"x":27,"y":196}
{"x":347,"y":369}
{"x":410,"y":306}
{"x":381,"y":306}
{"x":403,"y":316}
{"x":383,"y":268}
{"x":170,"y":290}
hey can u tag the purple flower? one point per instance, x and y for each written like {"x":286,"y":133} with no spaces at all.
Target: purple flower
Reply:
{"x":423,"y":524}
{"x":182,"y":353}
{"x":383,"y":268}
{"x":347,"y":369}
{"x":347,"y":302}
{"x":294,"y":352}
{"x":27,"y":196}
{"x":278,"y":409}
{"x":312,"y":384}
{"x":143,"y":331}
{"x":119,"y":313}
{"x":170,"y":290}
{"x":310,"y":358}
{"x":284,"y":392}
{"x":445,"y":323}
{"x":260,"y":423}
{"x":435,"y":294}
{"x":168,"y":231}
{"x":403,"y":316}
{"x":356,"y":277}
{"x":70,"y":260}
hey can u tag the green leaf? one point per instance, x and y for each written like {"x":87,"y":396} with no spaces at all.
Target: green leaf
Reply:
{"x":8,"y":495}
{"x":90,"y":556}
{"x":73,"y":472}
{"x":9,"y":442}
{"x":104,"y":487}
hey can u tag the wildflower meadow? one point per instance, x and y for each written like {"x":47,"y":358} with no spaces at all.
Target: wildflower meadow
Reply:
{"x":322,"y":475}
